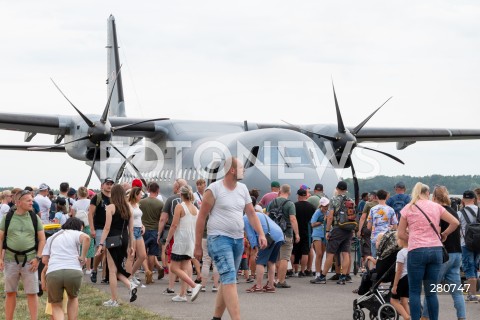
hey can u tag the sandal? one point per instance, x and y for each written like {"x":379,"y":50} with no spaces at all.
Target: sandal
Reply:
{"x":254,"y":289}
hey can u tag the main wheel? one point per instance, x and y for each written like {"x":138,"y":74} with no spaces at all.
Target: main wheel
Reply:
{"x":358,"y":314}
{"x":387,"y":312}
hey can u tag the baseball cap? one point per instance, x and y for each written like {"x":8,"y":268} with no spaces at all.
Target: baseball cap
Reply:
{"x":71,"y":192}
{"x":342,"y":185}
{"x":400,"y":185}
{"x":43,"y":186}
{"x":319,"y":187}
{"x":304,"y":187}
{"x":91,"y":192}
{"x":324,"y":201}
{"x":302,"y":192}
{"x":137,"y":183}
{"x":469,"y":194}
{"x":275,"y":184}
{"x":108,"y":180}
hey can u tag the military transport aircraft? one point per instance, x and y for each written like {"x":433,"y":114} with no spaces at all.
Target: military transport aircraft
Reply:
{"x":163,"y":149}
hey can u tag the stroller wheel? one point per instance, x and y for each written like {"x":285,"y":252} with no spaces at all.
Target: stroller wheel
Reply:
{"x":358,"y":314}
{"x":387,"y":312}
{"x":373,"y":315}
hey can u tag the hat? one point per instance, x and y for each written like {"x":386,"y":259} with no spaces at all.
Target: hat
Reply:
{"x":71,"y":192}
{"x":319,"y":187}
{"x":302,"y":192}
{"x":400,"y":185}
{"x":304,"y":187}
{"x":137,"y":183}
{"x":275,"y":184}
{"x":91,"y":192}
{"x":43,"y":187}
{"x":61,"y":201}
{"x":324,"y":201}
{"x":342,"y":185}
{"x":108,"y":180}
{"x":469,"y":194}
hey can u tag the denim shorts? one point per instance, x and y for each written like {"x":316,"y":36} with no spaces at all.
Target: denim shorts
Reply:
{"x":227,"y":253}
{"x":137,"y":232}
{"x":470,"y":262}
{"x":151,"y":244}
{"x":269,"y":254}
{"x":98,"y":237}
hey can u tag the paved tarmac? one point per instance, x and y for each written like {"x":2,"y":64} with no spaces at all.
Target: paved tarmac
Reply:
{"x":302,"y":301}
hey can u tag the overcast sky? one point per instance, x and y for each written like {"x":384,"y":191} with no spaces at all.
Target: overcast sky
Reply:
{"x":261,"y":61}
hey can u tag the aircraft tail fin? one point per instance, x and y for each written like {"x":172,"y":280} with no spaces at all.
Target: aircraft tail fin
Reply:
{"x":117,"y":103}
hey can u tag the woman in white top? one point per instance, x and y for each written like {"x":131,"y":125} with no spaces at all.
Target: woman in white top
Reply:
{"x":5,"y":197}
{"x":134,"y":197}
{"x":182,"y":230}
{"x":80,"y":210}
{"x":60,"y":256}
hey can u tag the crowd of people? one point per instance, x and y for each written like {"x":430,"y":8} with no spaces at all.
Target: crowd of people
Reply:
{"x":130,"y":227}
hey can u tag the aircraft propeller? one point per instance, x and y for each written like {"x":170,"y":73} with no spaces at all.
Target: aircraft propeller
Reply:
{"x":100,"y":131}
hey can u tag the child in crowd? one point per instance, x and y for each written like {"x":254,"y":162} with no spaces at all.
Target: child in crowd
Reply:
{"x":400,"y":284}
{"x":244,"y":263}
{"x":62,"y":215}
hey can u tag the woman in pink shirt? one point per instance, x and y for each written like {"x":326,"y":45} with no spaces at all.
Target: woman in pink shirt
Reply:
{"x":424,"y":247}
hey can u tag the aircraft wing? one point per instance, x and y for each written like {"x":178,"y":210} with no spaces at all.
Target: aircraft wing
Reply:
{"x":35,"y":123}
{"x":25,"y":147}
{"x":415,"y":134}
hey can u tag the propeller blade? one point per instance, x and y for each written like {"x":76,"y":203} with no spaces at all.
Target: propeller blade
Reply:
{"x":360,"y":126}
{"x":87,"y":121}
{"x":384,"y":153}
{"x":130,"y":163}
{"x":58,"y":145}
{"x":91,"y":169}
{"x":311,"y":132}
{"x":103,"y":119}
{"x":355,"y":183}
{"x":133,"y":124}
{"x":341,"y":127}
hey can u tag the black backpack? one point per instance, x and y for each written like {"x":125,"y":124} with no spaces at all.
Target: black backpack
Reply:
{"x":277,"y":215}
{"x":472,"y":231}
{"x":8,"y":219}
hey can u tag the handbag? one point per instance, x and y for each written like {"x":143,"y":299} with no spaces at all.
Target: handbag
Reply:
{"x":268,"y":236}
{"x":445,"y":256}
{"x":114,"y":241}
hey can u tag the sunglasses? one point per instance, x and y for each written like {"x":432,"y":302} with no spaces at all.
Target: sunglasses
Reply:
{"x":24,"y":193}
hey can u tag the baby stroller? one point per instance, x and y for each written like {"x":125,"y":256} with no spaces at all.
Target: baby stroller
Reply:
{"x":375,"y":299}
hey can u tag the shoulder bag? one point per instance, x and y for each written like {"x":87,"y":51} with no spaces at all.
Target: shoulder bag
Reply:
{"x":268,"y":236}
{"x":114,"y":241}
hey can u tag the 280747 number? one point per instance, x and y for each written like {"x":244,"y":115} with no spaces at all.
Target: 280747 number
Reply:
{"x":448,"y":287}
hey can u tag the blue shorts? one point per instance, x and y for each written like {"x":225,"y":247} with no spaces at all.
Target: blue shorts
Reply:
{"x":98,"y":237}
{"x":151,"y":244}
{"x":227,"y":253}
{"x":269,"y":254}
{"x":470,"y":262}
{"x":137,"y":232}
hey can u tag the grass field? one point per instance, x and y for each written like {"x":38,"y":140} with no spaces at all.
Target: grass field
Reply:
{"x":90,"y":306}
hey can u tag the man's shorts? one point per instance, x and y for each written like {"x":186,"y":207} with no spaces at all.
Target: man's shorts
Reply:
{"x":14,"y":271}
{"x":470,"y":262}
{"x":151,"y":245}
{"x":269,"y":254}
{"x":339,"y":241}
{"x":286,"y":249}
{"x":227,"y":253}
{"x":98,"y":237}
{"x":57,"y":281}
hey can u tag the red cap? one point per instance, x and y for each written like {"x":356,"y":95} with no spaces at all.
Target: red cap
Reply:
{"x":137,"y":183}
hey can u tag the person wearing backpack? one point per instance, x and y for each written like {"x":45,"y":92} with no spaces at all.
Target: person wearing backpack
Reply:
{"x":469,"y":216}
{"x":21,"y":244}
{"x":282,"y":212}
{"x":400,"y":199}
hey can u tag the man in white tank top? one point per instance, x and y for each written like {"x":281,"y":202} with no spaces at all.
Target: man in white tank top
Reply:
{"x":225,"y":201}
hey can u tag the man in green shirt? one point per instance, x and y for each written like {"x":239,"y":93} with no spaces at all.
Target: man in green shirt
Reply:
{"x":21,"y":237}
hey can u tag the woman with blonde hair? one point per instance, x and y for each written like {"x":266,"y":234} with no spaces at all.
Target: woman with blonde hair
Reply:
{"x":5,"y":198}
{"x":118,"y":222}
{"x":424,"y":246}
{"x":134,"y":197}
{"x":183,"y":230}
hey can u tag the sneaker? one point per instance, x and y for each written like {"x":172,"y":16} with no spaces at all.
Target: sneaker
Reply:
{"x":471,"y":298}
{"x":282,"y":285}
{"x":335,"y":277}
{"x":104,"y":281}
{"x":111,"y":303}
{"x":195,"y":292}
{"x":87,"y":272}
{"x":308,"y":273}
{"x":348,"y":279}
{"x":290,"y":273}
{"x":249,"y":280}
{"x":132,"y":293}
{"x":93,"y":277}
{"x":203,"y":289}
{"x":214,"y":289}
{"x":134,"y":282}
{"x":179,"y":298}
{"x":318,"y":280}
{"x":268,"y":289}
{"x":148,"y":277}
{"x":341,"y":280}
{"x":161,"y":274}
{"x":301,"y":274}
{"x":168,"y":291}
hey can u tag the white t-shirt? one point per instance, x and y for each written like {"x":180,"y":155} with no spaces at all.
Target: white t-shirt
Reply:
{"x":226,"y":216}
{"x":64,"y":251}
{"x":61,"y":217}
{"x":137,"y":215}
{"x":4,"y":208}
{"x":81,"y":208}
{"x":44,"y":203}
{"x":402,"y":258}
